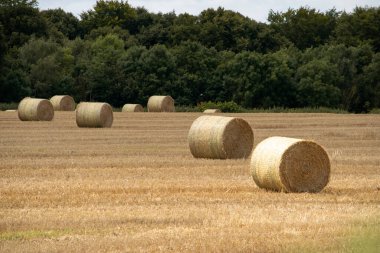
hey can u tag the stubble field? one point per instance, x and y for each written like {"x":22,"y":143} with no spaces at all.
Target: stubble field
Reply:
{"x":136,"y":187}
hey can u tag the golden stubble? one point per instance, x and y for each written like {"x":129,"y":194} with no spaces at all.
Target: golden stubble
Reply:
{"x":135,"y":187}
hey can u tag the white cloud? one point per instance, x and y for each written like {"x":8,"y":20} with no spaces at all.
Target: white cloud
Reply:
{"x":256,"y":9}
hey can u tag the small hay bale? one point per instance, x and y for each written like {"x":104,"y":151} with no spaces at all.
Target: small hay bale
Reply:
{"x":161,"y":104}
{"x":92,"y":114}
{"x":132,"y":108}
{"x":63,"y":103}
{"x":212,"y":111}
{"x":11,"y":110}
{"x":35,"y":109}
{"x":290,"y":165}
{"x":220,"y":137}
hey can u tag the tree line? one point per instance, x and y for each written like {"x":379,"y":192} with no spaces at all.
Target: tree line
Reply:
{"x":118,"y":53}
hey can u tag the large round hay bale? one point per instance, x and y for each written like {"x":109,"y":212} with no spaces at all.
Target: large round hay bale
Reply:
{"x":161,"y":104}
{"x":132,"y":108}
{"x":220,"y":137}
{"x":63,"y":103}
{"x":290,"y":165}
{"x":35,"y":109}
{"x":92,"y":114}
{"x":212,"y":111}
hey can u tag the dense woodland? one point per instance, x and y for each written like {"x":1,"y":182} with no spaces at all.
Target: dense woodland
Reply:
{"x":119,"y":53}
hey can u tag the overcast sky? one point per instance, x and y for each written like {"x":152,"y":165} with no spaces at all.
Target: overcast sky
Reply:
{"x":255,"y":9}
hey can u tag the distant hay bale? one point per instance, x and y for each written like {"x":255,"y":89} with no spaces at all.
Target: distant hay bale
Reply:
{"x":212,"y":111}
{"x":35,"y":109}
{"x":132,"y":108}
{"x":91,"y":114}
{"x":290,"y":165}
{"x":220,"y":137}
{"x":11,"y":110}
{"x":63,"y":103}
{"x":161,"y":104}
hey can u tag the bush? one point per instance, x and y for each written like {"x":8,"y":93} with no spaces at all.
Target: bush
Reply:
{"x":8,"y":106}
{"x":229,"y":106}
{"x":183,"y":108}
{"x":298,"y":110}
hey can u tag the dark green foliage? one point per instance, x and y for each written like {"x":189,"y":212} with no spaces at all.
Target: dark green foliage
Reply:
{"x":316,"y":84}
{"x":13,"y":86}
{"x":36,"y":49}
{"x":21,"y":19}
{"x":196,"y":71}
{"x":304,"y":27}
{"x":120,"y":54}
{"x":8,"y":106}
{"x":53,"y":74}
{"x":224,"y":29}
{"x":103,"y":71}
{"x":106,"y":30}
{"x":367,"y":88}
{"x":256,"y":80}
{"x":158,"y":32}
{"x":133,"y":73}
{"x":108,"y":13}
{"x":363,"y":25}
{"x":143,"y":19}
{"x":298,"y":110}
{"x":47,"y":67}
{"x":345,"y":66}
{"x":185,"y":28}
{"x":279,"y":84}
{"x":63,"y":21}
{"x":149,"y":72}
{"x":3,"y":43}
{"x":242,"y":79}
{"x":81,"y":51}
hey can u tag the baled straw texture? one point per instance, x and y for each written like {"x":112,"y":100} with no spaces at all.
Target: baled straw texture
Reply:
{"x":220,"y":137}
{"x":63,"y":103}
{"x":161,"y":104}
{"x":35,"y":109}
{"x":212,"y":111}
{"x":132,"y":108}
{"x":290,"y":165}
{"x":91,"y":114}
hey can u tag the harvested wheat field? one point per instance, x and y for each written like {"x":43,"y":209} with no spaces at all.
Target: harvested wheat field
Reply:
{"x":136,"y":187}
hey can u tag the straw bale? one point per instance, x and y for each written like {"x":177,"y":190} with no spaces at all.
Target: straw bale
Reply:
{"x":35,"y":109}
{"x":132,"y":108}
{"x":212,"y":111}
{"x":92,"y":114}
{"x":63,"y":103}
{"x":161,"y":104}
{"x":220,"y":137}
{"x":290,"y":165}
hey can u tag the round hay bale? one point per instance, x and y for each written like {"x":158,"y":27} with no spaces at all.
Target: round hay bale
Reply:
{"x":212,"y":111}
{"x":290,"y":165}
{"x":63,"y":103}
{"x":132,"y":108}
{"x":161,"y":104}
{"x":35,"y":109}
{"x":92,"y":114}
{"x":220,"y":137}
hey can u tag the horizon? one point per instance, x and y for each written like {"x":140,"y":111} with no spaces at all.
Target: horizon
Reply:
{"x":255,"y":10}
